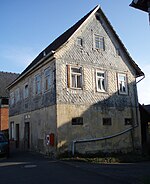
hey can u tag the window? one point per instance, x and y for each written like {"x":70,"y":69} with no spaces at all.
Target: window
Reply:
{"x":17,"y":95}
{"x":12,"y":98}
{"x":37,"y":84}
{"x":128,"y":121}
{"x":80,"y":42}
{"x":47,"y":79}
{"x":76,"y":77}
{"x":107,"y":121}
{"x":99,"y":42}
{"x":77,"y":121}
{"x":26,"y":91}
{"x":101,"y":81}
{"x":122,"y":84}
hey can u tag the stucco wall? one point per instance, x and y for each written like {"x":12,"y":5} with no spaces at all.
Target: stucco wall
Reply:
{"x":42,"y":122}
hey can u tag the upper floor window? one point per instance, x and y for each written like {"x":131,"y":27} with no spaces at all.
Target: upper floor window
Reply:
{"x":47,"y":81}
{"x":100,"y":81}
{"x":26,"y":91}
{"x":37,"y":84}
{"x":99,"y":42}
{"x":17,"y":95}
{"x":80,"y":41}
{"x":76,"y":77}
{"x":12,"y":98}
{"x":122,"y":84}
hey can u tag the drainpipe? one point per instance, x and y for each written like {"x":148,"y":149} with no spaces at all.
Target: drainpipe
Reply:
{"x":136,"y":99}
{"x":99,"y":139}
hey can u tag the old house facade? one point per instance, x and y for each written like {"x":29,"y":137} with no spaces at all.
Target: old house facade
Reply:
{"x":5,"y":79}
{"x":79,"y":94}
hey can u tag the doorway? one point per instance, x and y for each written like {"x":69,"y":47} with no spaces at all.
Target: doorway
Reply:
{"x":27,"y":135}
{"x":17,"y":136}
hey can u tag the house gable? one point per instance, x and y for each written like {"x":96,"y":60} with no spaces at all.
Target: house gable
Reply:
{"x":66,"y":36}
{"x":92,"y":92}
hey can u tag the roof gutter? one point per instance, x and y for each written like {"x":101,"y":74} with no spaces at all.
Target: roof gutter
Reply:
{"x":141,"y":79}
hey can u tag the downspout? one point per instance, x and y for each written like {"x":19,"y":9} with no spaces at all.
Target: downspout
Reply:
{"x":137,"y":102}
{"x":136,"y":99}
{"x":136,"y":111}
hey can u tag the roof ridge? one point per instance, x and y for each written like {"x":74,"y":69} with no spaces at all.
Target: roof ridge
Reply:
{"x":8,"y":72}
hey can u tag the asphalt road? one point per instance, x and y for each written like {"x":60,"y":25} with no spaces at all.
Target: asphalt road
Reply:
{"x":33,"y":168}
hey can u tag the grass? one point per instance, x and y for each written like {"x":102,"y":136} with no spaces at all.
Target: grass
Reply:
{"x":108,"y":158}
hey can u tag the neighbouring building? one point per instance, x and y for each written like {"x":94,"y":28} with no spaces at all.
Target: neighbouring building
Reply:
{"x":79,"y":94}
{"x":143,"y":5}
{"x":145,"y":127}
{"x":5,"y":79}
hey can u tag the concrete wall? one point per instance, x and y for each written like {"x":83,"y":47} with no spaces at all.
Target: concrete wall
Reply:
{"x":42,"y":122}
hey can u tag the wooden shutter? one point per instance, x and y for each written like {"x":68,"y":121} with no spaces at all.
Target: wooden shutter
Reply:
{"x":68,"y":76}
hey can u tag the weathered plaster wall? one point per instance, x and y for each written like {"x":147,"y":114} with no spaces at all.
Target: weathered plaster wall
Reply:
{"x":42,"y":122}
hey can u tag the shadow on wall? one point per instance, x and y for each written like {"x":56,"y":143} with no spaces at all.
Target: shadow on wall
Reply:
{"x":110,"y":125}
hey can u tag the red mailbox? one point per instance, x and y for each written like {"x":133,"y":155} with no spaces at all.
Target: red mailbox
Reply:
{"x":52,"y":139}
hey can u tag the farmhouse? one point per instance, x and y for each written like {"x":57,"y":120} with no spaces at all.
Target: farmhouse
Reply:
{"x":79,"y":94}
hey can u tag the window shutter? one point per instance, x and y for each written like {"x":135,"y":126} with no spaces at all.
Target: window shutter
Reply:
{"x":68,"y":76}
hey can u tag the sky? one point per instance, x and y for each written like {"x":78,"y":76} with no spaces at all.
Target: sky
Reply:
{"x":29,"y":26}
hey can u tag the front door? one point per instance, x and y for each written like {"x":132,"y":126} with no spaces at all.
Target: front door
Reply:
{"x":27,"y":135}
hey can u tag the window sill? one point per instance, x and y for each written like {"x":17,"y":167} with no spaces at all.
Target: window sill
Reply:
{"x":76,"y":88}
{"x":105,"y":92}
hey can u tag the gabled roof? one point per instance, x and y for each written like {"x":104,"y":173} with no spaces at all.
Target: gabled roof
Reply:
{"x":144,"y":113}
{"x":59,"y":41}
{"x":6,"y":78}
{"x":62,"y":39}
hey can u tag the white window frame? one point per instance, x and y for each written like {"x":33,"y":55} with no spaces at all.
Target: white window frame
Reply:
{"x":76,"y":77}
{"x":47,"y":79}
{"x":99,"y":42}
{"x":101,"y":79}
{"x":122,"y":83}
{"x":38,"y":84}
{"x":26,"y":90}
